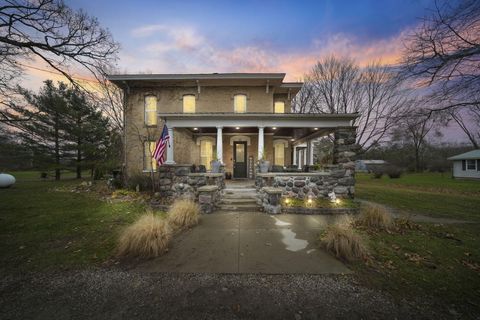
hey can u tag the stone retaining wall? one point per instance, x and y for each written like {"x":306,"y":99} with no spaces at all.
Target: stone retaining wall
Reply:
{"x":177,"y":181}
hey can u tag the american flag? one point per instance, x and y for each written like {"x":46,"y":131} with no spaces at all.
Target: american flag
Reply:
{"x":161,"y":146}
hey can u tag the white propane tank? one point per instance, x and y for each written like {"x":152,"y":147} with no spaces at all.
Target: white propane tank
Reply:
{"x":6,"y":180}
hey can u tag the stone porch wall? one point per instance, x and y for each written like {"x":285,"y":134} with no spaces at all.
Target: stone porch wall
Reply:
{"x":177,"y":181}
{"x":339,"y":177}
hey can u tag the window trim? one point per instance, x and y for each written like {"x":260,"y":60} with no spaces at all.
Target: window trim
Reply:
{"x":145,"y":109}
{"x":194,"y":99}
{"x":474,"y":164}
{"x":246,"y":102}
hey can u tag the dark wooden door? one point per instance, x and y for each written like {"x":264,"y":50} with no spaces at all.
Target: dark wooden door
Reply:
{"x":239,"y":159}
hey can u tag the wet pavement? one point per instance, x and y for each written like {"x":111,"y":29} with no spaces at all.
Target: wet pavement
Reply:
{"x":250,"y":243}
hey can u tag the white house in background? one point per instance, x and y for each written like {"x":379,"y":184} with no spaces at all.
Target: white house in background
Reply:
{"x":466,"y":165}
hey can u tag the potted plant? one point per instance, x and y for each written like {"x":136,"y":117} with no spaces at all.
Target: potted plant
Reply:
{"x":216,"y":164}
{"x":263,"y":164}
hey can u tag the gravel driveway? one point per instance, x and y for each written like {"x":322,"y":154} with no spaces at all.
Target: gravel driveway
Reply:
{"x":117,"y":294}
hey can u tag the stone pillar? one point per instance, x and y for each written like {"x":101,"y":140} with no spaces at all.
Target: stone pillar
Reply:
{"x":170,"y":159}
{"x":219,"y":144}
{"x":344,"y":151}
{"x":261,"y":144}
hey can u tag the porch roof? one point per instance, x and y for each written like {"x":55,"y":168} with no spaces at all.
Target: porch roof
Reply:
{"x":280,"y":120}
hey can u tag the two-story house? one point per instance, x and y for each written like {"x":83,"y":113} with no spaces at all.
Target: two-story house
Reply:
{"x":236,"y":118}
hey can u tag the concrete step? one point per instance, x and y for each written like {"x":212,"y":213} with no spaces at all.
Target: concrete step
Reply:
{"x":239,"y":195}
{"x":238,"y":200}
{"x":238,"y":207}
{"x":239,"y":190}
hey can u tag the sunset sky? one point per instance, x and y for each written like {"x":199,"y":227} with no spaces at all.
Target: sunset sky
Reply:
{"x":251,"y":36}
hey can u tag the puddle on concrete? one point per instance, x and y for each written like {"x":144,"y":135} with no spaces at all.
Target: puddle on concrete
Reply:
{"x":289,"y":237}
{"x":279,"y":222}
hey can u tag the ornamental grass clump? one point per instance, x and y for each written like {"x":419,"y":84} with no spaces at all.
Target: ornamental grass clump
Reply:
{"x":342,"y":241}
{"x":148,"y":237}
{"x":375,"y":217}
{"x":183,"y":214}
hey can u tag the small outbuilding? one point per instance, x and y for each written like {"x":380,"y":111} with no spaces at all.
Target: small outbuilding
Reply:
{"x":466,"y":165}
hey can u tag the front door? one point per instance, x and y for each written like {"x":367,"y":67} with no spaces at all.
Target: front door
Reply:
{"x":239,"y":159}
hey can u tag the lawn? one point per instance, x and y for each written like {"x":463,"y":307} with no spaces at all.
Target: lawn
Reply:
{"x":441,"y":261}
{"x":433,"y":194}
{"x":45,"y":225}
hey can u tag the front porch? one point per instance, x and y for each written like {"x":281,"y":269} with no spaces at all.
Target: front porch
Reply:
{"x":238,"y":141}
{"x":284,"y":143}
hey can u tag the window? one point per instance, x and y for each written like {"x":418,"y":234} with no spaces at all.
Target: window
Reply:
{"x":279,"y":154}
{"x":471,"y":165}
{"x":240,"y":103}
{"x":151,"y":110}
{"x":279,"y":107}
{"x":149,"y":162}
{"x":189,"y":103}
{"x":206,"y":153}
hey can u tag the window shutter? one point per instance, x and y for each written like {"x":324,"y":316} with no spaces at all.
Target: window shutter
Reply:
{"x":478,"y":164}
{"x":464,"y":165}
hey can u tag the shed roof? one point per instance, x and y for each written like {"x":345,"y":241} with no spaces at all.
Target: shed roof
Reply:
{"x":474,"y":154}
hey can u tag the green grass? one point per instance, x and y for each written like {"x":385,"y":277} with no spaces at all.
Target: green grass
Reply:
{"x":431,"y":194}
{"x":44,"y":225}
{"x":439,"y":261}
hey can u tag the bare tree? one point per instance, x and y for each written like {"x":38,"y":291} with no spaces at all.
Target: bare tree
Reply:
{"x":51,"y":32}
{"x":468,"y":119}
{"x":444,"y":54}
{"x":415,"y":127}
{"x":340,"y":86}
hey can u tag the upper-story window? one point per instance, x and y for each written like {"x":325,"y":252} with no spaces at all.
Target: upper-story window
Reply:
{"x":240,"y":103}
{"x":151,"y":110}
{"x":279,"y":107}
{"x":189,"y":103}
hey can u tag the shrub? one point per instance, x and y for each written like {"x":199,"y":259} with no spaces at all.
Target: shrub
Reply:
{"x":148,"y":237}
{"x":375,"y":217}
{"x":143,"y":181}
{"x":183,"y":214}
{"x":393,"y":172}
{"x":342,"y":241}
{"x":377,"y":173}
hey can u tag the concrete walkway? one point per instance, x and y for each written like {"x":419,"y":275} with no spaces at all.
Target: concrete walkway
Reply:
{"x":249,"y":243}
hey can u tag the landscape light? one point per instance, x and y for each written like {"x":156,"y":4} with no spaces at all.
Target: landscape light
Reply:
{"x":237,"y":128}
{"x":274,"y":128}
{"x":315,"y":128}
{"x":195,"y":128}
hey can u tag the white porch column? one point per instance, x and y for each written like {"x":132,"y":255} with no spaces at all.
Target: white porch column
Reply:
{"x":219,"y":144}
{"x":310,"y":143}
{"x":294,"y":155}
{"x":305,"y":157}
{"x":170,"y":159}
{"x":260,"y":143}
{"x":300,"y":160}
